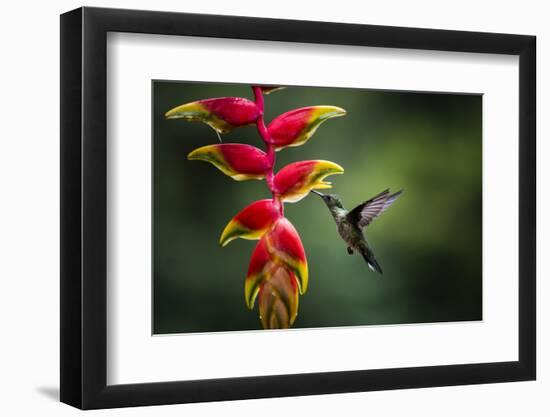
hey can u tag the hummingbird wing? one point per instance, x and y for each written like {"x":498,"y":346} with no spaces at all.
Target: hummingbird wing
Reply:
{"x":365,"y":213}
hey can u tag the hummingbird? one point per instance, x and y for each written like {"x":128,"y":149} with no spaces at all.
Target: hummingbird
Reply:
{"x":350,"y":224}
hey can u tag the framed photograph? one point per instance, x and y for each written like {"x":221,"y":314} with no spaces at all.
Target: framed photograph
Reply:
{"x":258,"y":208}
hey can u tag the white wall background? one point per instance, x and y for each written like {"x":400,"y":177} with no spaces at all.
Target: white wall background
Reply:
{"x":29,"y":237}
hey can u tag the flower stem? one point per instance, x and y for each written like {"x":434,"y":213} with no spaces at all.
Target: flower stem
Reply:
{"x":270,"y":148}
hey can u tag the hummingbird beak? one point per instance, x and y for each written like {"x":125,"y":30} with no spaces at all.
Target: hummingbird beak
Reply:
{"x":318,"y":193}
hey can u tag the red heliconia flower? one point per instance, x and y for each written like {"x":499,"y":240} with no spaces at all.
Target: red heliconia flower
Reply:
{"x":275,"y":286}
{"x":295,"y":181}
{"x":260,"y":267}
{"x":236,"y":160}
{"x":278,"y":269}
{"x":295,"y":127}
{"x":252,"y":222}
{"x":222,"y":114}
{"x":278,"y":299}
{"x":285,"y":246}
{"x":281,"y":247}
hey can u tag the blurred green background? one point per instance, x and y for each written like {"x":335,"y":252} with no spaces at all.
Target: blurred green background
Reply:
{"x":428,"y":243}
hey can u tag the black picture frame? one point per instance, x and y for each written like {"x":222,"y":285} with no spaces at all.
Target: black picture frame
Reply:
{"x":84,"y":209}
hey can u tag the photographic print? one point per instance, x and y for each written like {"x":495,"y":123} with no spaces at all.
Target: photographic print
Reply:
{"x":350,"y":203}
{"x":279,"y":207}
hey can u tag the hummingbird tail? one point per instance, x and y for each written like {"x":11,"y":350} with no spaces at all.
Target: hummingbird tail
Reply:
{"x":371,"y":261}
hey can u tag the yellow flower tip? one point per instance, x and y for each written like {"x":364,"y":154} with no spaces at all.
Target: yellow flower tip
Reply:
{"x":170,"y":114}
{"x":322,"y":185}
{"x":250,"y":303}
{"x":229,"y":233}
{"x":201,"y":153}
{"x":342,"y":112}
{"x":323,"y":170}
{"x":193,"y":156}
{"x":190,"y":111}
{"x":302,"y":277}
{"x":328,"y":112}
{"x":326,"y":168}
{"x":251,"y":289}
